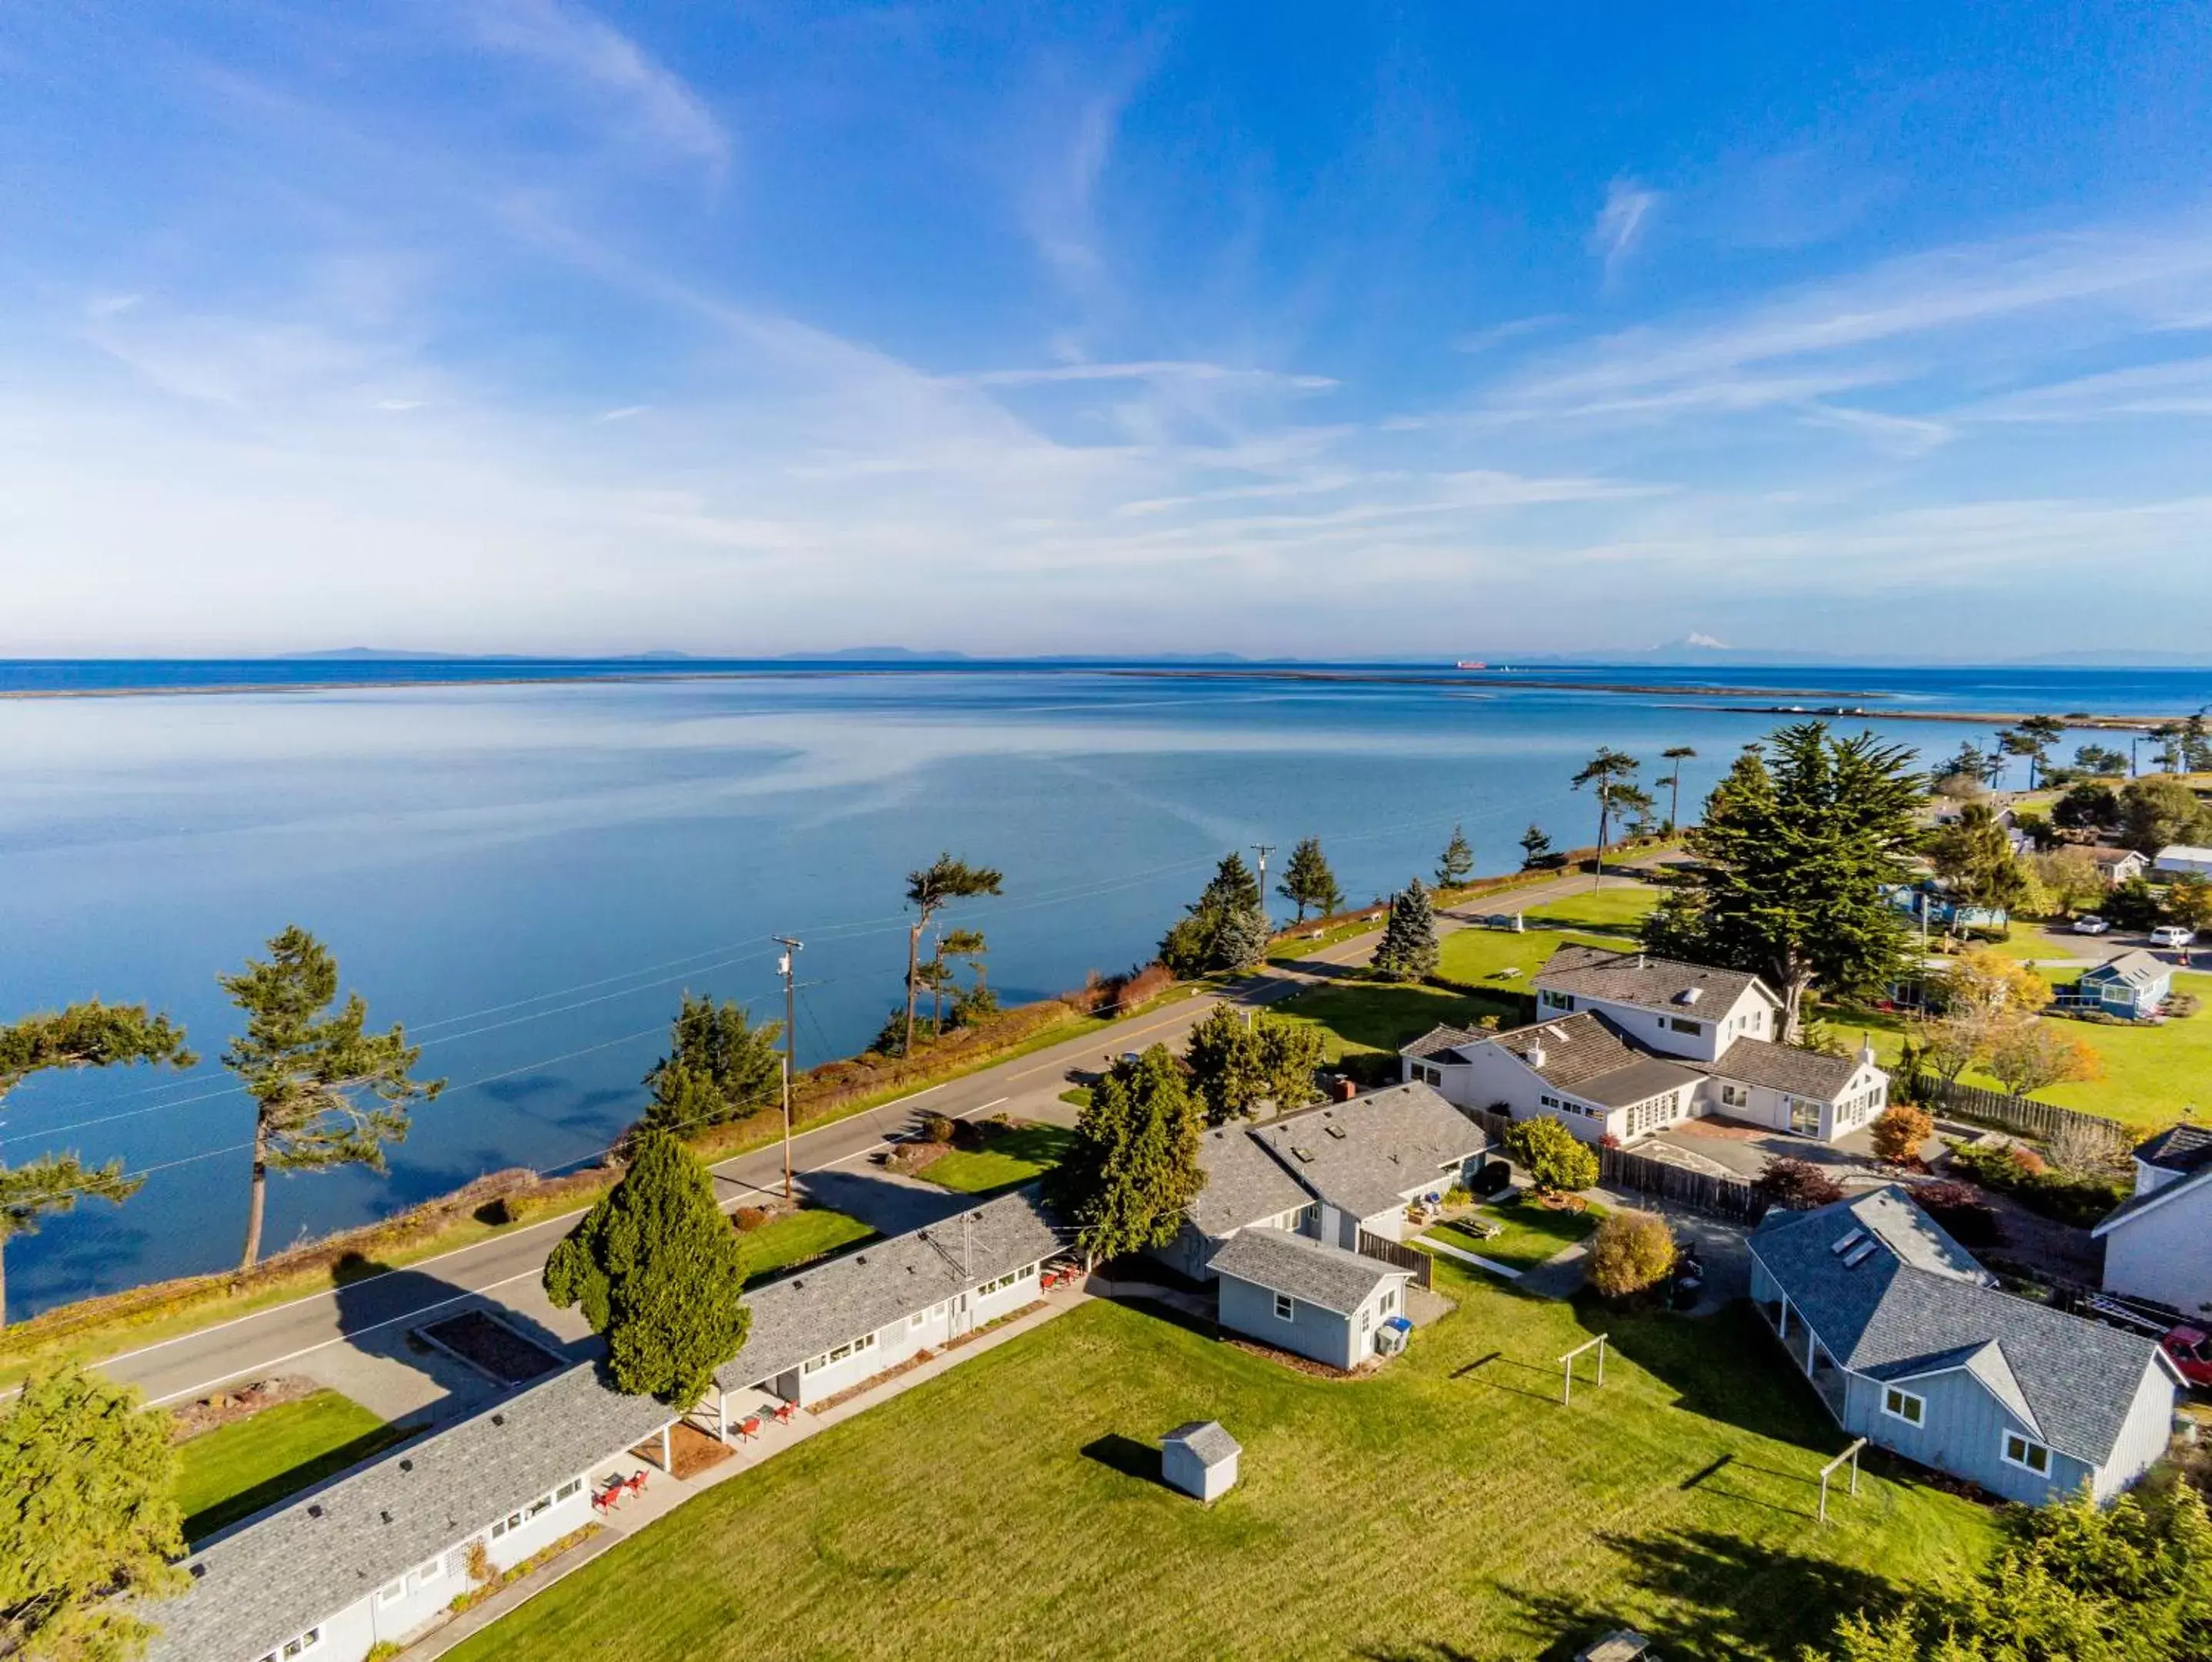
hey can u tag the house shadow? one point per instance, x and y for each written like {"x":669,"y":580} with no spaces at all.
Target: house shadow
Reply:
{"x":888,"y":1205}
{"x":1713,"y":1594}
{"x":1126,"y":1456}
{"x":1726,"y":1367}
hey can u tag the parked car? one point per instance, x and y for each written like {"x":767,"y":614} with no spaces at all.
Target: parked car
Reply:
{"x":2173,"y":934}
{"x":2190,"y":1352}
{"x":2090,"y":924}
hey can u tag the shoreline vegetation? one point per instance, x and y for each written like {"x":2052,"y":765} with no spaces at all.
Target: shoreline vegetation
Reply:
{"x":1828,"y":701}
{"x":501,"y":1202}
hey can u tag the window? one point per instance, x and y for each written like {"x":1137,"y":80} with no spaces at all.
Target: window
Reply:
{"x":2028,"y":1455}
{"x":1736,"y":1096}
{"x":422,"y":1577}
{"x":1366,"y":1320}
{"x":1390,"y":1301}
{"x":814,"y":1365}
{"x":1286,"y":1307}
{"x":305,"y":1641}
{"x":917,"y":1318}
{"x":391,"y":1592}
{"x":543,"y":1503}
{"x":1804,"y":1117}
{"x":1904,"y":1405}
{"x":1682,"y":1026}
{"x":939,"y":1309}
{"x":1549,"y":1102}
{"x":568,"y":1490}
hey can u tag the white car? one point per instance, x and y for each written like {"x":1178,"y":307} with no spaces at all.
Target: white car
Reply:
{"x":2090,"y":924}
{"x":2173,"y":934}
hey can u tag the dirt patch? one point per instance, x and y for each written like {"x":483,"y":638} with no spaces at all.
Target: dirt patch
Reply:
{"x":691,"y":1450}
{"x":1727,"y":1131}
{"x":222,"y":1408}
{"x":1304,"y":1365}
{"x":873,"y":1380}
{"x":491,"y":1346}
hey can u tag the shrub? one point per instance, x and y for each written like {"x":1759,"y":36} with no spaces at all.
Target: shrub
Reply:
{"x":2031,"y":1164}
{"x":1631,"y":1252}
{"x":748,"y":1219}
{"x":480,"y":1566}
{"x":1457,"y":1194}
{"x":2076,"y":1198}
{"x":1555,"y":1159}
{"x":1798,"y":1186}
{"x":939,"y":1127}
{"x":1900,"y":1130}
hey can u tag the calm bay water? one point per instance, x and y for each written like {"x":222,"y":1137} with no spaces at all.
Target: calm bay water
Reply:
{"x":527,"y":875}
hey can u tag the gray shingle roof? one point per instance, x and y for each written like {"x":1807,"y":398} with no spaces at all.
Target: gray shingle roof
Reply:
{"x":1311,"y":1272}
{"x":1442,"y":1042}
{"x":1918,"y":1304}
{"x":1243,"y":1184}
{"x":1206,"y":1440}
{"x":1639,"y":1081}
{"x":1638,"y":978}
{"x":268,"y":1581}
{"x":1365,"y":1155}
{"x":1578,"y":1047}
{"x":2177,"y":1148}
{"x":826,"y":1304}
{"x":2137,"y":969}
{"x":1784,"y":1067}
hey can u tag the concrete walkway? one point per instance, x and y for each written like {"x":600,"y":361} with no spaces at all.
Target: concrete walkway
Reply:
{"x":663,"y":1493}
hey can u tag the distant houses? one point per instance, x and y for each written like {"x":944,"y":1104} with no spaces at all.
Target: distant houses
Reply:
{"x":2158,"y":1244}
{"x":2183,"y":860}
{"x":1626,"y":1044}
{"x":1909,"y":1343}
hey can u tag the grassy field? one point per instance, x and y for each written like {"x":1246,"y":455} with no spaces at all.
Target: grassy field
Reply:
{"x":1007,"y":1161}
{"x":1449,"y":1508}
{"x":796,"y":1238}
{"x":1527,"y":1234}
{"x":236,"y":1469}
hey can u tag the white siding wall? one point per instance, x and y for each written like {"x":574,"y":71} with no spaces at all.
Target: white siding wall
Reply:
{"x":1749,"y":1017}
{"x":2161,"y":1254}
{"x":928,"y":1328}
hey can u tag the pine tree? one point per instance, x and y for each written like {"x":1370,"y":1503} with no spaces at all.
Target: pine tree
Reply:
{"x":88,"y":1523}
{"x":1610,"y":771}
{"x":1408,"y":948}
{"x":1133,"y":1167}
{"x":1457,"y":863}
{"x":929,"y":891}
{"x":657,"y":1270}
{"x":1536,"y":847}
{"x":1794,"y":860}
{"x":326,"y":1091}
{"x":716,"y":1046}
{"x":1224,"y":930}
{"x":87,"y":1035}
{"x":1309,"y":882}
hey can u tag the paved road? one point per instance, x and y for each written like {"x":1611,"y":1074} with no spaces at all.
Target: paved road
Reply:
{"x":831,"y":1160}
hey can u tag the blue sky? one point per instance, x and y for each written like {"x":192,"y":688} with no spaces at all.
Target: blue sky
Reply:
{"x":523,"y":324}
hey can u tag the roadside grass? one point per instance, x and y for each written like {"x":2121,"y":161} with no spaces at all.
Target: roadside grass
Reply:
{"x":797,"y":1238}
{"x":1528,"y":1235}
{"x":2153,"y":1076}
{"x":1006,"y":1163}
{"x":1482,"y":1520}
{"x":1619,"y":908}
{"x":1360,"y":1018}
{"x":236,"y":1469}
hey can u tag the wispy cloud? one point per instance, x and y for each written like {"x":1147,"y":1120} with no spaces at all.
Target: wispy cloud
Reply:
{"x":1497,"y":334}
{"x":1621,"y":223}
{"x":1150,"y":370}
{"x":625,"y":412}
{"x":641,"y":94}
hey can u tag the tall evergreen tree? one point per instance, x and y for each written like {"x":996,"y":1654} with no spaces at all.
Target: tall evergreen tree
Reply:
{"x":1536,"y":847}
{"x":1224,"y":930}
{"x":1677,"y":754}
{"x":1291,"y":1054}
{"x":1794,"y":861}
{"x":1974,"y":855}
{"x":1408,"y":948}
{"x":1227,"y":1074}
{"x":1611,"y":772}
{"x":327,"y":1092}
{"x":87,"y":1035}
{"x":89,"y":1522}
{"x":1133,"y":1165}
{"x":929,"y":891}
{"x":658,"y":1271}
{"x":715,"y":1046}
{"x":1456,"y":864}
{"x":1308,"y":883}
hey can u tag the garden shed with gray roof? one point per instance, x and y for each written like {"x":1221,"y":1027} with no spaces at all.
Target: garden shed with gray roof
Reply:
{"x":1911,"y":1344}
{"x":1199,"y":1458}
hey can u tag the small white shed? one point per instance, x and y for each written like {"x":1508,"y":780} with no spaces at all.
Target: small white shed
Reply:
{"x":1199,"y":1458}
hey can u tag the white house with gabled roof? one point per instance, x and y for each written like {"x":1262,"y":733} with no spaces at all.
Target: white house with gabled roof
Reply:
{"x":1679,"y":1009}
{"x":2158,"y":1244}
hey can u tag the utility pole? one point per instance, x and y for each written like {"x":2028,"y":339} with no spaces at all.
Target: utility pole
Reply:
{"x":1263,"y":850}
{"x":790,"y":1044}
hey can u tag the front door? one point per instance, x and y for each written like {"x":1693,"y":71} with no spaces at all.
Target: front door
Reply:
{"x":1804,"y":1117}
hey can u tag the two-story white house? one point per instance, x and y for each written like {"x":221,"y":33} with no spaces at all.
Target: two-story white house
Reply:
{"x":1626,"y":1044}
{"x":2158,"y":1245}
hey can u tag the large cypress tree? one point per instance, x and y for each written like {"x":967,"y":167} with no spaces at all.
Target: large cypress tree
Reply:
{"x":1226,"y":1072}
{"x":88,"y":1520}
{"x":1133,"y":1167}
{"x":658,"y":1271}
{"x":1408,"y":947}
{"x":1795,"y":855}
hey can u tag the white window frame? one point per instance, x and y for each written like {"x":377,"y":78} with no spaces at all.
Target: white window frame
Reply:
{"x":1733,"y":1095}
{"x":568,"y":1490}
{"x":391,"y":1592}
{"x":1913,"y":1410}
{"x":1286,"y":1307}
{"x":2028,"y":1449}
{"x":917,"y":1320}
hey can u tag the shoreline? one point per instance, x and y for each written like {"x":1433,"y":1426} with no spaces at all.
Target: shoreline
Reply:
{"x":1992,"y":718}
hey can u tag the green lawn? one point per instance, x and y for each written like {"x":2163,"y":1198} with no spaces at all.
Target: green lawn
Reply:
{"x":236,"y":1469}
{"x":2152,"y":1075}
{"x":1449,"y":1508}
{"x":1620,"y":909}
{"x":1008,"y":1160}
{"x":1363,"y":1017}
{"x":1529,"y":1235}
{"x":796,"y":1238}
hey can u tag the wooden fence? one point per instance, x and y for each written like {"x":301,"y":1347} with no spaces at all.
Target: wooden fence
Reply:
{"x":1720,"y":1198}
{"x":2021,"y":1115}
{"x":1386,"y":1250}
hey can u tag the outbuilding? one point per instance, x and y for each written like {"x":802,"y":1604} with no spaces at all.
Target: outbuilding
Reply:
{"x":1303,"y":1296}
{"x":1199,"y":1458}
{"x":2183,"y":860}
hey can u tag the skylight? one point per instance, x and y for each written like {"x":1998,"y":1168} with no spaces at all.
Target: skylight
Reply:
{"x":1848,"y":1242}
{"x":1858,"y":1254}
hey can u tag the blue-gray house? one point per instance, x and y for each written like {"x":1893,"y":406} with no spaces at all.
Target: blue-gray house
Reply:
{"x":2135,"y":984}
{"x":1306,"y":1297}
{"x":1912,"y":1345}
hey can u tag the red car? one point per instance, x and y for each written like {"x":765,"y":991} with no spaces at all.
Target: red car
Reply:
{"x":2190,"y":1352}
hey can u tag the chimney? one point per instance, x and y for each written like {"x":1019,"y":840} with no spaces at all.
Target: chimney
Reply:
{"x":1866,"y":1050}
{"x":1536,"y":1056}
{"x":1346,"y":1089}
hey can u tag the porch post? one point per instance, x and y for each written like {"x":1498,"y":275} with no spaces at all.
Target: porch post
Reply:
{"x":722,"y":1416}
{"x":667,"y":1452}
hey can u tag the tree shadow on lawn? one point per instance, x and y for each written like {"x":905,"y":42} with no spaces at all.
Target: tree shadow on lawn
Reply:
{"x":298,"y":1480}
{"x":1725,"y":1367}
{"x":1726,"y":1597}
